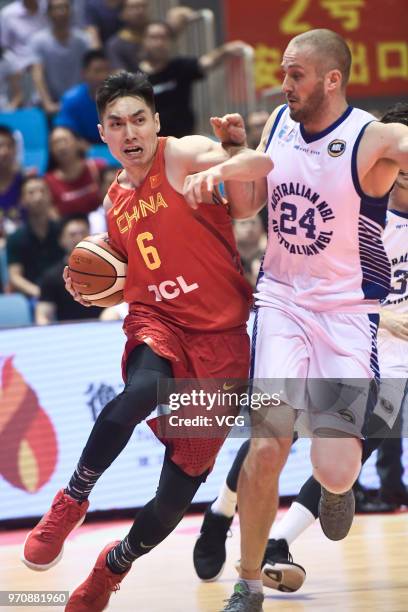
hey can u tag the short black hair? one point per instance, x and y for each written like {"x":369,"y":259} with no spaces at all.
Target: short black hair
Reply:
{"x":6,"y":131}
{"x":91,"y":56}
{"x":124,"y":84}
{"x":159,"y":22}
{"x":73,"y":217}
{"x":396,"y":114}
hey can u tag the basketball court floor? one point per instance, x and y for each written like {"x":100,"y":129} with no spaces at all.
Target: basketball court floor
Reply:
{"x":366,"y":572}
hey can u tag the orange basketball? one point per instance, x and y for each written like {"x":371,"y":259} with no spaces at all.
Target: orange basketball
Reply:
{"x":97,"y":271}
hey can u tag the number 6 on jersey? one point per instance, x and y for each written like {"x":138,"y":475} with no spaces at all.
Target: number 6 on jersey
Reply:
{"x":149,"y":253}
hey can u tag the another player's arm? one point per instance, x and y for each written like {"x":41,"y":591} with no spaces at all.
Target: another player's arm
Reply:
{"x":196,"y":165}
{"x":396,"y":144}
{"x":382,"y":153}
{"x":248,"y":199}
{"x":395,"y":322}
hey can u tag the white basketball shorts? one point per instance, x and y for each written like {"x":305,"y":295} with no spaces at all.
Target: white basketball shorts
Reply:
{"x":329,"y":358}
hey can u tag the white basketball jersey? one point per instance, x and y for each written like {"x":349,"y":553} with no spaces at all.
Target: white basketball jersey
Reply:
{"x":396,"y":245}
{"x":393,"y":351}
{"x":325,"y":248}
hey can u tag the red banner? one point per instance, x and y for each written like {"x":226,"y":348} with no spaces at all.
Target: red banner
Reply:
{"x":376,"y":32}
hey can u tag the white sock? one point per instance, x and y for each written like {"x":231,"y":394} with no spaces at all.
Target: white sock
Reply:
{"x":254,"y":586}
{"x":295,"y":521}
{"x":226,"y":502}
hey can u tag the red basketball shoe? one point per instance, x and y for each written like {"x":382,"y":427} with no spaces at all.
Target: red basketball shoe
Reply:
{"x":93,"y":594}
{"x":44,"y":545}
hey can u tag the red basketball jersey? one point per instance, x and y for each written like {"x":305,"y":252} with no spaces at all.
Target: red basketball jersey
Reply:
{"x":183,"y":264}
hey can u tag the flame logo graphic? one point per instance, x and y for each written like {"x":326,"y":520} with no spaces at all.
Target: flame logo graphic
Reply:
{"x":28,"y":443}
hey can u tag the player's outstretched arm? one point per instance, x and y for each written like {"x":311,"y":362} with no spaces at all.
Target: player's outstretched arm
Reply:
{"x":395,"y":322}
{"x":196,"y":165}
{"x":246,"y":166}
{"x":246,"y":199}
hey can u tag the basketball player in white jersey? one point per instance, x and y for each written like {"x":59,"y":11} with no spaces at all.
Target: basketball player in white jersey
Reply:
{"x":393,"y":334}
{"x":324,"y":272}
{"x":278,"y":569}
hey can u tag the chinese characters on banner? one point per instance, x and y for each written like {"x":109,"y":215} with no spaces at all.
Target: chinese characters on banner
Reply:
{"x":376,"y":32}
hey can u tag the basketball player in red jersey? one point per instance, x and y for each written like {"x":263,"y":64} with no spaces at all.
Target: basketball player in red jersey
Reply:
{"x":188,"y":306}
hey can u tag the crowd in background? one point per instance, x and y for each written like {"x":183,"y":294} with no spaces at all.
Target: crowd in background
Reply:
{"x":54,"y":55}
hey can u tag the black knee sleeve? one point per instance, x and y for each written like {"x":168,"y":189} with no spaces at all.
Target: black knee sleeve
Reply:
{"x":164,"y":512}
{"x":115,"y":424}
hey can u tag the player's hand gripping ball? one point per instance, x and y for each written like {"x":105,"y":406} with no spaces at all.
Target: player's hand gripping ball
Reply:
{"x":97,"y":271}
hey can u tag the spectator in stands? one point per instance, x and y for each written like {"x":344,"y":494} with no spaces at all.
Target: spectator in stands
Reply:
{"x":11,"y":178}
{"x":19,"y":21}
{"x":172,"y":77}
{"x":124,"y":49}
{"x":11,"y":93}
{"x":73,"y":180}
{"x":102,"y":20}
{"x":34,"y":247}
{"x":55,"y":304}
{"x":255,"y":123}
{"x":97,"y":218}
{"x":78,"y":108}
{"x":251,"y":241}
{"x":58,"y":53}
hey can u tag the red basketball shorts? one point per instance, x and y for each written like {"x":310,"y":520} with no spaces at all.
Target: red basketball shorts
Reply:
{"x":209,"y":357}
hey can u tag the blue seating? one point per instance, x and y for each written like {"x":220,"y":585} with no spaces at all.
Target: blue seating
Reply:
{"x":3,"y":267}
{"x":32,"y":124}
{"x":101,"y":151}
{"x":14,"y":310}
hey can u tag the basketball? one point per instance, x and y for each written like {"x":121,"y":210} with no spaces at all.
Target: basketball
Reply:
{"x":97,"y":271}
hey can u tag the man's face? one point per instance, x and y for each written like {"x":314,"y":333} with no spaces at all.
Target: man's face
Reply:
{"x":73,"y":232}
{"x":157,"y":42}
{"x":35,"y":196}
{"x":7,"y":151}
{"x":135,"y":13}
{"x":96,"y":72}
{"x":303,"y":86}
{"x":63,"y":144}
{"x":130,"y":130}
{"x":59,"y":12}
